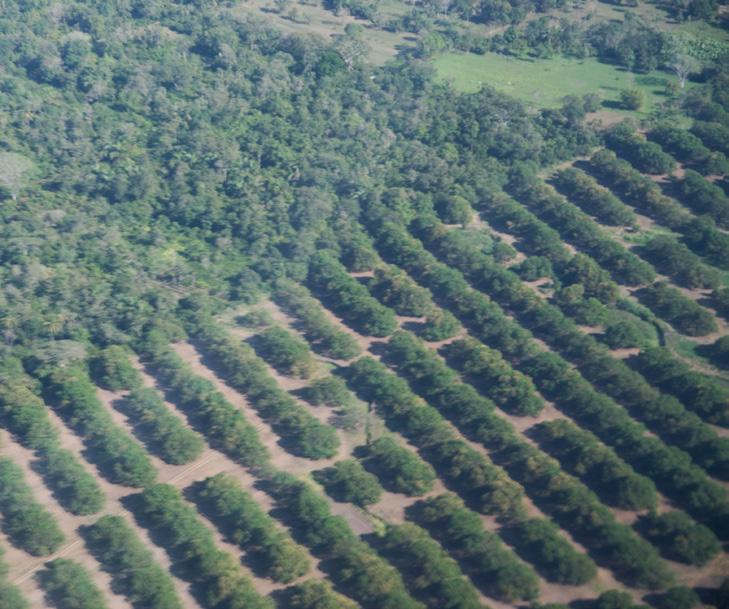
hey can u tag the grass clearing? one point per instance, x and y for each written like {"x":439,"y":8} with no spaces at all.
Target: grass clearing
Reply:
{"x":301,"y":18}
{"x":543,"y":83}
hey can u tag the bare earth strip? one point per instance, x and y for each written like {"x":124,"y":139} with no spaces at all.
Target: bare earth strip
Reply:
{"x":222,"y":464}
{"x":74,"y":548}
{"x":23,"y":566}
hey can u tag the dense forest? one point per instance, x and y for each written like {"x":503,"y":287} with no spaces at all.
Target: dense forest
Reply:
{"x":283,"y":326}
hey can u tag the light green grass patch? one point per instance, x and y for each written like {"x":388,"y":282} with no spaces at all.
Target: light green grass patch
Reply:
{"x":314,"y":19}
{"x":543,"y":83}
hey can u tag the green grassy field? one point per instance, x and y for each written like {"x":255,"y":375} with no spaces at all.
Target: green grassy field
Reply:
{"x":314,"y":19}
{"x":543,"y":83}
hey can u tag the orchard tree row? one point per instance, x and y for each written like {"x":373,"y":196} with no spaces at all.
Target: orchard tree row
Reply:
{"x":69,"y":585}
{"x":323,"y":336}
{"x":164,"y":433}
{"x":483,"y":556}
{"x":689,"y":149}
{"x":224,"y":426}
{"x":245,"y":371}
{"x":133,"y":569}
{"x":483,"y":485}
{"x":570,"y":503}
{"x":118,"y":456}
{"x":190,"y":544}
{"x":271,"y":550}
{"x":26,"y":522}
{"x":352,"y":564}
{"x":24,"y":415}
{"x":669,"y":467}
{"x":348,"y":297}
{"x":665,"y":414}
{"x":700,"y":234}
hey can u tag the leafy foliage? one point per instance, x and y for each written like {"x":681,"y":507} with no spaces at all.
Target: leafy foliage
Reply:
{"x":191,"y":545}
{"x":26,"y":523}
{"x":69,"y":586}
{"x":348,"y":481}
{"x":132,"y":566}
{"x":399,"y":469}
{"x":241,"y":518}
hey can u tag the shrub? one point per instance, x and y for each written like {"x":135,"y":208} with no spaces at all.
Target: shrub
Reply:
{"x":317,"y":595}
{"x":132,"y":566}
{"x":679,"y":597}
{"x":616,"y":599}
{"x":631,"y":99}
{"x":350,"y":413}
{"x":399,"y":469}
{"x":286,"y":352}
{"x":112,"y":370}
{"x":348,"y":481}
{"x":69,"y":586}
{"x":719,"y":351}
{"x":454,"y":209}
{"x":395,"y":289}
{"x":681,"y":538}
{"x":167,"y":434}
{"x":439,"y":325}
{"x":628,"y":331}
{"x":257,"y":318}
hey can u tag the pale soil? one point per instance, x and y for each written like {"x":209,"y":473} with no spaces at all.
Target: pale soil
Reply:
{"x":392,"y":506}
{"x":219,"y":463}
{"x":550,"y":592}
{"x":479,"y":222}
{"x":537,"y":284}
{"x":73,"y":548}
{"x":605,"y":580}
{"x":625,"y":353}
{"x":280,"y":459}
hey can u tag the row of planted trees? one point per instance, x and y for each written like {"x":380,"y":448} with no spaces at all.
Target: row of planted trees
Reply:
{"x":568,"y":501}
{"x":483,"y":485}
{"x":668,"y":467}
{"x":699,"y":234}
{"x":165,"y":434}
{"x":665,"y":414}
{"x":244,"y":370}
{"x":73,"y":395}
{"x":24,"y":415}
